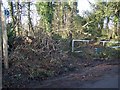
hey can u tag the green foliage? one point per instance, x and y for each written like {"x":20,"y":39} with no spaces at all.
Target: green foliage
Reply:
{"x":112,"y":44}
{"x":107,"y":54}
{"x":41,"y":74}
{"x":45,"y":9}
{"x":79,"y":20}
{"x":56,"y":36}
{"x":102,"y":11}
{"x":10,"y":33}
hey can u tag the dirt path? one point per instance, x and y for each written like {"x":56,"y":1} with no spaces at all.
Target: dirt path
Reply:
{"x":100,"y":76}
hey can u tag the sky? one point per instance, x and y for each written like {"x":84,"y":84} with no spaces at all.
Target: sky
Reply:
{"x":84,"y":5}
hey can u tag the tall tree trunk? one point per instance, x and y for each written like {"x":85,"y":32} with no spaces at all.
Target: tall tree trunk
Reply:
{"x":5,"y":42}
{"x":17,"y":19}
{"x":14,"y":18}
{"x":63,"y":15}
{"x":107,"y":27}
{"x":58,"y":16}
{"x":31,"y":29}
{"x":12,"y":12}
{"x":0,"y":38}
{"x":72,"y":23}
{"x":0,"y":46}
{"x":55,"y":23}
{"x":118,"y":25}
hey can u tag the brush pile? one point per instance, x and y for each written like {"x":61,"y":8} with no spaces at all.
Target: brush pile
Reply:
{"x":35,"y":59}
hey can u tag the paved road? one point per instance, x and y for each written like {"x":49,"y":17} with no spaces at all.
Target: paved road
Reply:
{"x":102,"y":76}
{"x":107,"y":81}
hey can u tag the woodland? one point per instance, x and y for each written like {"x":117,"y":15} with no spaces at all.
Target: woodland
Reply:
{"x":36,"y":39}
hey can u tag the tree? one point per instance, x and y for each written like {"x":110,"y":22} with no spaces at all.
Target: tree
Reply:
{"x":4,"y":43}
{"x":12,"y":14}
{"x":0,"y":35}
{"x":16,"y":11}
{"x":103,"y":13}
{"x":18,"y":18}
{"x":45,"y":10}
{"x":31,"y":29}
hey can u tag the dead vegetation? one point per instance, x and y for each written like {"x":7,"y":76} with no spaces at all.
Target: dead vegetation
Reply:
{"x":41,"y":58}
{"x":35,"y":59}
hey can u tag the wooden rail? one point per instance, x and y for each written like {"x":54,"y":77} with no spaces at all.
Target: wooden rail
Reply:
{"x":87,"y":42}
{"x":110,"y":42}
{"x":74,"y":40}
